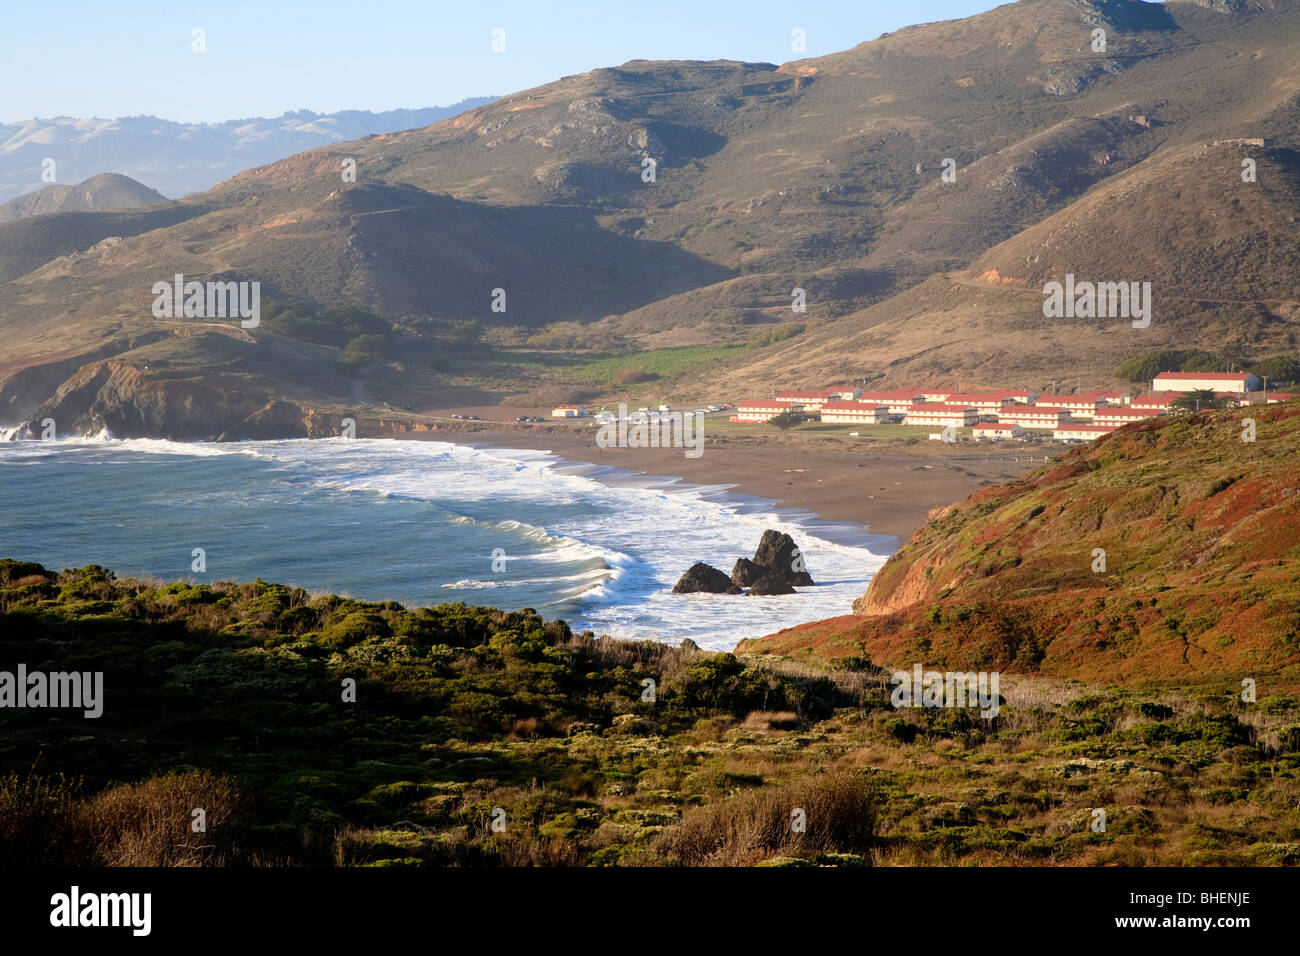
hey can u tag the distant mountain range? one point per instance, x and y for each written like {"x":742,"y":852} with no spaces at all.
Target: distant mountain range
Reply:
{"x":920,"y":188}
{"x":182,"y":158}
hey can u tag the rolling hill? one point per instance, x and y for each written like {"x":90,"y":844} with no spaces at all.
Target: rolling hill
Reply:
{"x":824,"y":174}
{"x":103,"y":193}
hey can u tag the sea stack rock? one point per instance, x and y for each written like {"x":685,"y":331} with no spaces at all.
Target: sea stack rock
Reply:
{"x":771,"y":583}
{"x":701,"y":577}
{"x":746,"y":572}
{"x":777,"y":557}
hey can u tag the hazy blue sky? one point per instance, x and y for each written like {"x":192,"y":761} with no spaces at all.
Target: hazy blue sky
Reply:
{"x":125,"y":57}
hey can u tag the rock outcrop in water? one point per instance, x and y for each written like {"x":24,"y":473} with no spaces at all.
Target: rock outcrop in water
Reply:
{"x":701,"y":577}
{"x":770,"y":584}
{"x":777,"y":557}
{"x":777,"y":568}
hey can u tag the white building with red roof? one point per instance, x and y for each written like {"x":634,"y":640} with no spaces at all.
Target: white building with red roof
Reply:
{"x":815,"y":399}
{"x":1082,"y":432}
{"x":763,"y":409}
{"x":1079,"y":406}
{"x":1159,"y":402}
{"x":1238,"y":382}
{"x":1034,"y":416}
{"x":1122,"y":416}
{"x":855,"y":413}
{"x":942,"y":415}
{"x":987,"y":403}
{"x":997,"y":430}
{"x":899,"y":400}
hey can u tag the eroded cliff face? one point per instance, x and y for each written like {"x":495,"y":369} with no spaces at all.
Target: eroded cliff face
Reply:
{"x":131,"y":403}
{"x":1166,"y":550}
{"x":134,"y":402}
{"x":23,"y":392}
{"x":906,"y":579}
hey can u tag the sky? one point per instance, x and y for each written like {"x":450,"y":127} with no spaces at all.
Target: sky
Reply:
{"x":88,"y":58}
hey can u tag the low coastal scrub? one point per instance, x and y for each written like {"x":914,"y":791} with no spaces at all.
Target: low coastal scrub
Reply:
{"x":319,"y":730}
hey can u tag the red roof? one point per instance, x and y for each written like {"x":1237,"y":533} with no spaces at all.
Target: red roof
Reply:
{"x":851,"y":407}
{"x":980,"y":397}
{"x":1118,"y":412}
{"x":1089,"y":399}
{"x":990,"y":426}
{"x":896,"y":393}
{"x":1210,"y":376}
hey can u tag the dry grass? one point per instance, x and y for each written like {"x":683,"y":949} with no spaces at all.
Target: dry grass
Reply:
{"x":46,"y":821}
{"x":838,"y":813}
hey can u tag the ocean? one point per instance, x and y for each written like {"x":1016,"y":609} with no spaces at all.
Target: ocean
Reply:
{"x":423,"y":523}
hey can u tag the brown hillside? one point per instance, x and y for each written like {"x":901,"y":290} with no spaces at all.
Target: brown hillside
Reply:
{"x":768,"y":178}
{"x":1201,"y":534}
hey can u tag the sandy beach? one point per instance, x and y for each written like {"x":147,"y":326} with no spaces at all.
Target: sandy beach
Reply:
{"x":887,"y":487}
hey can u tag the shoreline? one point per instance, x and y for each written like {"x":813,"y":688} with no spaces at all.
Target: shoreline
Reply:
{"x":848,"y":533}
{"x":882,"y":493}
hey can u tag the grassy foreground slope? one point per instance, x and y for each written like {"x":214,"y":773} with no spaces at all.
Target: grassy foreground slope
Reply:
{"x":1201,"y":578}
{"x":230,"y":698}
